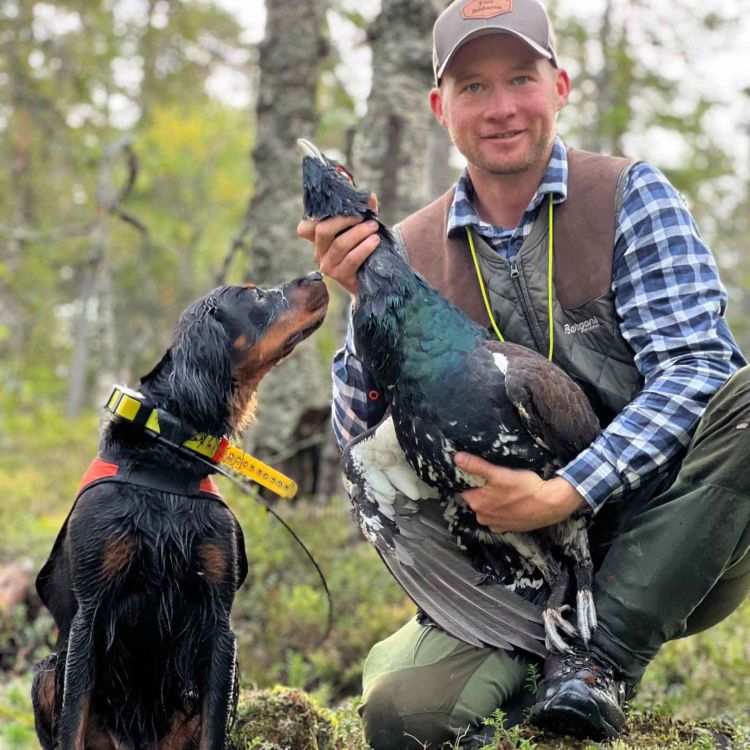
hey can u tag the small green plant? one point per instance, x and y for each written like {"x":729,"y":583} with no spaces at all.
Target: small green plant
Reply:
{"x":508,"y":739}
{"x":533,"y":678}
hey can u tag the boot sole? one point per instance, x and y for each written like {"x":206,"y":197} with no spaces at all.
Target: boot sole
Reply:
{"x":574,"y":712}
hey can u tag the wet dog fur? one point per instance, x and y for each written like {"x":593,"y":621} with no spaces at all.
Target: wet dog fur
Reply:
{"x":141,"y":580}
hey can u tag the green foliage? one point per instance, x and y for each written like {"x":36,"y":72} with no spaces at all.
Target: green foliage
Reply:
{"x":16,"y":717}
{"x":280,"y":613}
{"x":510,"y":738}
{"x":283,"y":717}
{"x":42,"y":458}
{"x":26,"y":636}
{"x":533,"y":678}
{"x":77,"y":76}
{"x":707,"y":675}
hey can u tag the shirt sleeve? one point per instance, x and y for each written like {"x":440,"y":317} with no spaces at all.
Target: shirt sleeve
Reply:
{"x":670,"y":304}
{"x":357,"y":402}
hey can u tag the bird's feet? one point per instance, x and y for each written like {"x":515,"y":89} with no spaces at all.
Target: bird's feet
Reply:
{"x":558,"y":630}
{"x":585,"y":614}
{"x":556,"y":627}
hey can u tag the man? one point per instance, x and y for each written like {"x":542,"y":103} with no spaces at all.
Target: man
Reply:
{"x":638,"y":322}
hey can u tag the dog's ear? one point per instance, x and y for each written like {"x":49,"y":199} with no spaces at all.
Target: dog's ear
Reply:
{"x":156,"y":370}
{"x":201,"y":374}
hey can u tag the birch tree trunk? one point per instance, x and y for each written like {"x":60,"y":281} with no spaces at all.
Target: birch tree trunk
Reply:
{"x":95,"y":312}
{"x":398,"y":152}
{"x":291,"y":58}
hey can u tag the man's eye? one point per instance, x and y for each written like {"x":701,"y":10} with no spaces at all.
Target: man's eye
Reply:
{"x":521,"y":80}
{"x":474,"y":88}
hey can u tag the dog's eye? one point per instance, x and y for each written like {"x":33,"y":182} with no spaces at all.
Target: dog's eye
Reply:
{"x":259,"y":293}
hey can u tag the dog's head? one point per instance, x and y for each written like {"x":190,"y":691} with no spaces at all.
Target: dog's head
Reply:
{"x":225,"y":343}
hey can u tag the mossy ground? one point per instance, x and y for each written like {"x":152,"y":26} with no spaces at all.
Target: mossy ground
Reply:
{"x":279,"y":614}
{"x":288,"y":719}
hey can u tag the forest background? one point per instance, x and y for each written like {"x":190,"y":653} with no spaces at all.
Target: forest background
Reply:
{"x":148,"y":153}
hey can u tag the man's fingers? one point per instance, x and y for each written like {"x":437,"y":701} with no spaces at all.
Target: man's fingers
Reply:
{"x":357,"y":256}
{"x":341,"y":244}
{"x":345,"y":272}
{"x":341,"y":247}
{"x":326,"y":232}
{"x":306,"y":230}
{"x":474,"y":464}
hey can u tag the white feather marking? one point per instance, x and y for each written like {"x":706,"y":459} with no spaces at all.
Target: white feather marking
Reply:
{"x":384,"y":470}
{"x":501,"y":361}
{"x":471,"y":479}
{"x":403,"y":478}
{"x":503,"y":437}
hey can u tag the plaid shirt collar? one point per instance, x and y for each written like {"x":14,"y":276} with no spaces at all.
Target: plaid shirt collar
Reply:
{"x":555,"y":181}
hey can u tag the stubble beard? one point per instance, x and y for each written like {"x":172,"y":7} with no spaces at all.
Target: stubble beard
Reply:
{"x":539,"y":152}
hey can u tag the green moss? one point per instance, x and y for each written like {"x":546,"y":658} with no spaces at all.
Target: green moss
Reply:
{"x":646,"y":731}
{"x":286,"y":719}
{"x":283,"y":718}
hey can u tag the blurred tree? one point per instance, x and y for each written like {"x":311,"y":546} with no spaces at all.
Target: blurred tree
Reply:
{"x":632,"y":90}
{"x":637,"y":91}
{"x":399,"y":153}
{"x":732,"y":231}
{"x":292,"y":55}
{"x":75,"y":76}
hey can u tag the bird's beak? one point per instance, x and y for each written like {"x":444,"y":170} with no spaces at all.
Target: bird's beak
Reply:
{"x":309,"y":149}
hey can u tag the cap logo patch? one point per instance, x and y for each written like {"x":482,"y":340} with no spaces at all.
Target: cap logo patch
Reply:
{"x":486,"y":8}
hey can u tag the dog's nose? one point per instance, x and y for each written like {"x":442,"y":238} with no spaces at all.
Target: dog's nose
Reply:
{"x":314,"y":276}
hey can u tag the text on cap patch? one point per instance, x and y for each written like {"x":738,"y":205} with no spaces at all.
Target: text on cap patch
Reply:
{"x":486,"y":8}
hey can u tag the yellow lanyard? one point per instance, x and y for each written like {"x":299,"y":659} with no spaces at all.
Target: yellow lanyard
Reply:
{"x":550,"y":257}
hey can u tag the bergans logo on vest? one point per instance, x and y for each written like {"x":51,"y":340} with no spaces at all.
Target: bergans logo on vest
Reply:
{"x":582,"y":327}
{"x":588,"y":343}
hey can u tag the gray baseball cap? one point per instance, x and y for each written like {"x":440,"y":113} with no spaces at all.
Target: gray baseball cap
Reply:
{"x":464,"y":20}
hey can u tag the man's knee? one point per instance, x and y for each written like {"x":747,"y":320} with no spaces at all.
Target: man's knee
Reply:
{"x":717,"y":455}
{"x":395,"y":717}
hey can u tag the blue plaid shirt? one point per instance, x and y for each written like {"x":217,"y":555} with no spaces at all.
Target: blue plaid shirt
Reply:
{"x":671,"y":305}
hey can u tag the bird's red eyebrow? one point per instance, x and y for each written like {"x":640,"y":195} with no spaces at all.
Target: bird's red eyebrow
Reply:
{"x":344,"y":171}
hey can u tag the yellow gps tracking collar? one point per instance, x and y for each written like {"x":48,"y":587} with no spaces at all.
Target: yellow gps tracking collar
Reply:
{"x":130,"y":405}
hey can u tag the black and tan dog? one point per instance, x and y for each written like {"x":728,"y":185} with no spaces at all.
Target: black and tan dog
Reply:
{"x":143,"y":574}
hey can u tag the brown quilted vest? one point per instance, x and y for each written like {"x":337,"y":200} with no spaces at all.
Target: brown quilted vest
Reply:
{"x":588,"y":343}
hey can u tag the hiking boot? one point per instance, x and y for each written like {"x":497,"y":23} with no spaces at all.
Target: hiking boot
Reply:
{"x":580,"y":695}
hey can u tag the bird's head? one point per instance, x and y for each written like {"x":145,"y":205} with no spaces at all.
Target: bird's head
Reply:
{"x":329,"y":190}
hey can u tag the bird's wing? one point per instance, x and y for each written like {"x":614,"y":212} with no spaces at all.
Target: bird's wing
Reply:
{"x":403,"y":518}
{"x":552,"y":406}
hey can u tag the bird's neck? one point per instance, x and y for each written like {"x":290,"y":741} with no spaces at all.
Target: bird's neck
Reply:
{"x":402,"y":326}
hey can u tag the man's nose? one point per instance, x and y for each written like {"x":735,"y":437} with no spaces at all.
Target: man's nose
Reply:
{"x":501,"y":104}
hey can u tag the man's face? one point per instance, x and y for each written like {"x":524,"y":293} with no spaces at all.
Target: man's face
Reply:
{"x":499,"y":100}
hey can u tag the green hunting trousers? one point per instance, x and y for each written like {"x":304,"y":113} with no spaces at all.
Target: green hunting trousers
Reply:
{"x":672,"y":558}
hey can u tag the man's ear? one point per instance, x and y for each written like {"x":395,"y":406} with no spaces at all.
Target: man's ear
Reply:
{"x":436,"y":105}
{"x":562,"y":88}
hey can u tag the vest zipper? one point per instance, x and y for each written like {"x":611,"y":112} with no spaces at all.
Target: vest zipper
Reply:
{"x":527,"y":307}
